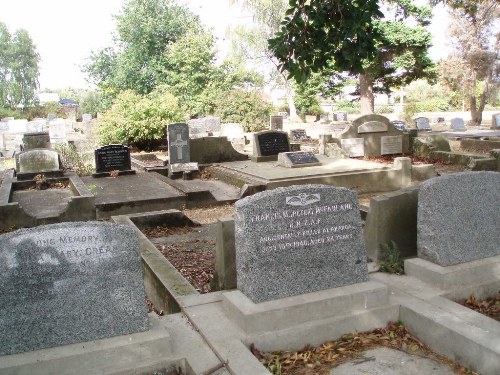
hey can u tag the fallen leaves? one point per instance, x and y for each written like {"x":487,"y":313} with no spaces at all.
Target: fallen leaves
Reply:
{"x":321,"y":359}
{"x":489,"y":306}
{"x":163,"y":231}
{"x":152,"y":308}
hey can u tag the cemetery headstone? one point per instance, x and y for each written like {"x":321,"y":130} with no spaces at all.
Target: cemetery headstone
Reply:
{"x":298,"y":159}
{"x":438,"y":120}
{"x":51,"y":116}
{"x":422,"y":123}
{"x":457,"y":123}
{"x":276,"y":122}
{"x":178,"y":143}
{"x":18,"y":126}
{"x":298,"y":134}
{"x":3,"y":126}
{"x":340,"y":116}
{"x":234,"y":132}
{"x":495,"y":121}
{"x":324,"y":118}
{"x":36,"y":140}
{"x":67,"y":283}
{"x":37,"y":161}
{"x":86,"y":117}
{"x":203,"y":125}
{"x":298,"y":239}
{"x":57,"y":131}
{"x":270,"y":143}
{"x":34,"y":127}
{"x":112,"y":158}
{"x":333,"y":151}
{"x":283,"y":114}
{"x":458,"y":218}
{"x":399,"y":124}
{"x":370,"y":135}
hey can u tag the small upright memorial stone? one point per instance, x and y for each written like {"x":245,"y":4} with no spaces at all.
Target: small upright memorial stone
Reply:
{"x":276,"y":122}
{"x":340,"y":116}
{"x":297,"y":240}
{"x":36,"y":140}
{"x":457,"y":123}
{"x":298,"y":134}
{"x":495,"y":121}
{"x":178,"y":150}
{"x":68,"y":283}
{"x":297,"y":159}
{"x":86,"y":117}
{"x":57,"y":131}
{"x":422,"y":123}
{"x":458,"y":218}
{"x":39,"y":161}
{"x":112,"y":158}
{"x":268,"y":144}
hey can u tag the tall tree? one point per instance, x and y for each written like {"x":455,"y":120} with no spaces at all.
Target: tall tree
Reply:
{"x":252,"y":42}
{"x":19,"y":70}
{"x":352,"y":36}
{"x":474,"y":65}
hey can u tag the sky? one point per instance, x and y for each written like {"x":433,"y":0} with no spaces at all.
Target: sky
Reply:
{"x":65,"y":32}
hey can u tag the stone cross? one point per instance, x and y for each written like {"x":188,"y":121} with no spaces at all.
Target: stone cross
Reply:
{"x":179,"y":143}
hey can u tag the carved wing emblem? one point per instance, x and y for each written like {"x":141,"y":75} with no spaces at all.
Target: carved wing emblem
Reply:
{"x":302,"y":199}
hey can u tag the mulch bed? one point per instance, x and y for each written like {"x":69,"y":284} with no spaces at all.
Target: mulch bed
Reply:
{"x":321,"y":359}
{"x":193,"y":258}
{"x":489,"y":306}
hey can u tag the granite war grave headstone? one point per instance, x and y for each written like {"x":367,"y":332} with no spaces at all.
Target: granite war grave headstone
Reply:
{"x":458,"y":217}
{"x":298,"y":239}
{"x":422,"y":123}
{"x":68,"y":283}
{"x":178,"y":143}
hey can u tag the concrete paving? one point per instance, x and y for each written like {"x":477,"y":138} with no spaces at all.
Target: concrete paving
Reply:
{"x":43,"y":203}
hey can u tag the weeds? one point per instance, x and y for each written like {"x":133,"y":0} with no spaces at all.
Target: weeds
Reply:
{"x":392,"y":262}
{"x":73,"y":160}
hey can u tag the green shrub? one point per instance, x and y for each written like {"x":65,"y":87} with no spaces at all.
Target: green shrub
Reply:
{"x":391,"y":259}
{"x":82,"y":164}
{"x":380,"y":109}
{"x":139,"y":120}
{"x":7,"y":112}
{"x":244,"y":107}
{"x":348,"y":106}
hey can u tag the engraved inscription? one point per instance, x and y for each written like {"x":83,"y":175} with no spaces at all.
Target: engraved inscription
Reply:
{"x":273,"y":143}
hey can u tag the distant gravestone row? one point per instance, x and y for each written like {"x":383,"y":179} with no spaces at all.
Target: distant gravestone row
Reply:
{"x":68,"y":283}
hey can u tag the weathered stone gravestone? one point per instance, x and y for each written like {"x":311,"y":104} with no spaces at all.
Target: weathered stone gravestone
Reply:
{"x":38,"y":161}
{"x":3,"y":126}
{"x":495,"y":121}
{"x":178,"y":143}
{"x":372,"y":135}
{"x":112,"y":158}
{"x":36,"y":140}
{"x":438,"y":120}
{"x":57,"y":131}
{"x":86,"y":117}
{"x":67,"y":283}
{"x":297,"y":159}
{"x":18,"y":126}
{"x":340,"y":116}
{"x":269,"y":144}
{"x":457,"y":123}
{"x":324,"y":118}
{"x":298,"y":239}
{"x":458,"y":218}
{"x":298,"y":134}
{"x":422,"y":123}
{"x":276,"y":122}
{"x":34,"y":127}
{"x":203,"y":125}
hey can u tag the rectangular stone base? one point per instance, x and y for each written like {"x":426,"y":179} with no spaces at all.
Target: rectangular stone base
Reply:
{"x":452,"y":277}
{"x":262,"y":159}
{"x":107,"y":174}
{"x":292,"y":311}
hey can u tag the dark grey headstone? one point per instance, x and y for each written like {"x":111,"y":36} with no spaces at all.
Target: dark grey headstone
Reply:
{"x":112,"y":158}
{"x":36,"y":140}
{"x":276,"y":122}
{"x":458,"y":218}
{"x":495,"y":121}
{"x":35,"y":161}
{"x":422,"y":123}
{"x":298,"y":134}
{"x":270,"y":142}
{"x":298,"y":239}
{"x":178,"y":143}
{"x":457,"y":123}
{"x":67,"y":283}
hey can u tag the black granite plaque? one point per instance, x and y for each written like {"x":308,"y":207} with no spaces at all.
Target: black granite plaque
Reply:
{"x":272,"y":143}
{"x":112,"y":158}
{"x":302,"y":157}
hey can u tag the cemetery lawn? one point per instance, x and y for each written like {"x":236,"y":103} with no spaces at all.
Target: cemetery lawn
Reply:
{"x":489,"y":306}
{"x":350,"y":347}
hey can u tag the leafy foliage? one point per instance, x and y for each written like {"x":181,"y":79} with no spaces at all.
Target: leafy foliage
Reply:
{"x":82,"y":164}
{"x":139,"y":120}
{"x":391,"y":263}
{"x":18,"y":69}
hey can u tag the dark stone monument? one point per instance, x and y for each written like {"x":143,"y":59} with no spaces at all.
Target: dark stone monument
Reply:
{"x":276,"y":122}
{"x":298,"y":239}
{"x":68,"y":283}
{"x":268,"y":144}
{"x":178,"y":143}
{"x":458,"y":218}
{"x":112,"y":158}
{"x":298,"y":159}
{"x":422,"y":123}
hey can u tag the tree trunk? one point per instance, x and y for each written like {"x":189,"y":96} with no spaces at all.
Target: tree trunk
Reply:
{"x":291,"y":106}
{"x":367,"y":99}
{"x":476,"y":111}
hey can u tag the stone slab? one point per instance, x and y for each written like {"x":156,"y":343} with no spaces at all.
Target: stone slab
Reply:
{"x":298,"y":159}
{"x":67,"y":283}
{"x":298,"y":239}
{"x":354,"y":147}
{"x":458,"y":218}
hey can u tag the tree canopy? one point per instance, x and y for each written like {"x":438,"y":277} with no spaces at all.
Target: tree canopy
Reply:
{"x":19,"y":70}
